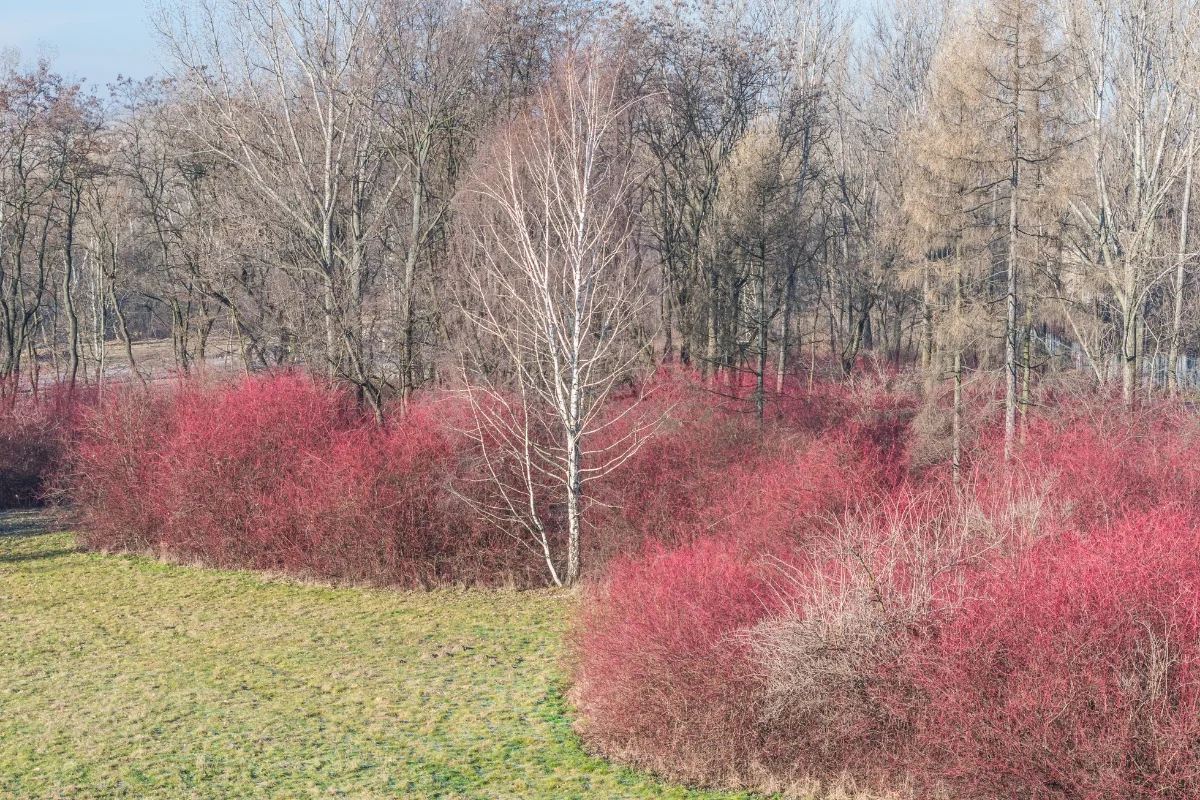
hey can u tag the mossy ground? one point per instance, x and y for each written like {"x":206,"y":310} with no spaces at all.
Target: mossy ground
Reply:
{"x":124,"y":677}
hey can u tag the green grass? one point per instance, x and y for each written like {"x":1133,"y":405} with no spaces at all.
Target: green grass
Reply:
{"x":123,"y":677}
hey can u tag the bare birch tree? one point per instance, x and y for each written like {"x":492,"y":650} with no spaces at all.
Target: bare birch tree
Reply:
{"x":555,"y":297}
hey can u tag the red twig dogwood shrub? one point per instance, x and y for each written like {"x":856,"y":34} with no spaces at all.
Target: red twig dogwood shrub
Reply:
{"x":853,"y":596}
{"x":1033,"y":632}
{"x":35,"y":438}
{"x":663,"y":680}
{"x":112,"y":476}
{"x":711,"y":469}
{"x":1107,"y":462}
{"x":231,"y":454}
{"x":31,"y":447}
{"x":1072,"y":673}
{"x":670,"y":671}
{"x":678,"y":671}
{"x":677,"y":485}
{"x":281,"y":473}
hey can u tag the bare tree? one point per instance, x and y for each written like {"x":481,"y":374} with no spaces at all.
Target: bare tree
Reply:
{"x":555,"y":297}
{"x":291,"y":94}
{"x":47,"y":129}
{"x":430,"y":89}
{"x":1134,"y":58}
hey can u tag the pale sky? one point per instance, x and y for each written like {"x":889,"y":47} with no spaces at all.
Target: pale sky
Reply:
{"x":96,"y":40}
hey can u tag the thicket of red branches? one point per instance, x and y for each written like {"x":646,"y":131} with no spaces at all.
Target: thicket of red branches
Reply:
{"x":810,"y":601}
{"x":835,"y":612}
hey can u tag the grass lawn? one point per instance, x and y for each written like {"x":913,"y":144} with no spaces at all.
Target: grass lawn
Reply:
{"x":122,"y":677}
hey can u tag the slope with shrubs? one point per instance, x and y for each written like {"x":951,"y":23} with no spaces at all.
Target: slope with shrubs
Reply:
{"x":808,"y":603}
{"x":1034,"y":633}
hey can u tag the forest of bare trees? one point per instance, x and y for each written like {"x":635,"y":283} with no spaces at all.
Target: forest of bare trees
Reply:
{"x":393,"y":192}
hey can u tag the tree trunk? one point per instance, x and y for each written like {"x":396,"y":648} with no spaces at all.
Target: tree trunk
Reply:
{"x":1177,"y":311}
{"x":784,"y":331}
{"x":410,"y":272}
{"x":760,"y":372}
{"x":68,"y":297}
{"x":956,"y":413}
{"x":926,"y":331}
{"x":1026,"y":369}
{"x":1010,"y":319}
{"x":574,"y":483}
{"x":710,"y":354}
{"x":123,"y":332}
{"x":179,"y":336}
{"x":668,"y":321}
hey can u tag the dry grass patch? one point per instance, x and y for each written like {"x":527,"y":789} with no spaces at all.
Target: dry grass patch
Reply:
{"x":124,"y":677}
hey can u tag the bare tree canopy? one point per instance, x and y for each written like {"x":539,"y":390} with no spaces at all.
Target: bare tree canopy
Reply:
{"x":539,"y":201}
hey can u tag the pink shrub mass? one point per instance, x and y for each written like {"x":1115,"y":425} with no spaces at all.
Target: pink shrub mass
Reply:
{"x":663,"y":684}
{"x":30,"y":447}
{"x":1106,"y":462}
{"x":276,"y":472}
{"x":1034,"y":633}
{"x":1071,"y":673}
{"x":280,"y":473}
{"x":35,"y":438}
{"x":113,"y":475}
{"x":711,"y":470}
{"x":800,"y":602}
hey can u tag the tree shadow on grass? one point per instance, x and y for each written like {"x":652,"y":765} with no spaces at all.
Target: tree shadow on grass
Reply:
{"x":17,"y":558}
{"x":26,"y":524}
{"x":20,"y":523}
